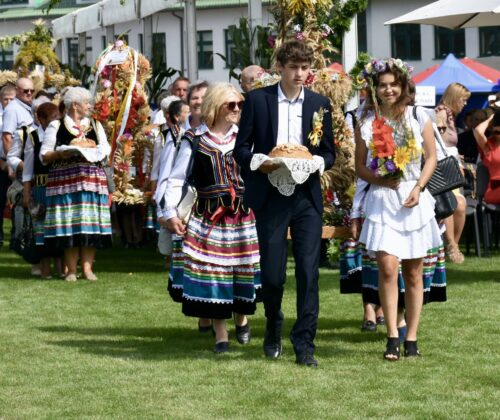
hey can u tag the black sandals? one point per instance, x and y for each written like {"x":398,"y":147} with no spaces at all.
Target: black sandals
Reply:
{"x":392,"y":352}
{"x":411,"y":349}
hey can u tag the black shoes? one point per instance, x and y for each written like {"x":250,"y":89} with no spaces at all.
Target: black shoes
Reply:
{"x":272,"y":351}
{"x":221,"y":347}
{"x":369,"y":326}
{"x":392,"y":352}
{"x":306,"y":360}
{"x":411,"y":349}
{"x":272,"y":341}
{"x":243,"y":334}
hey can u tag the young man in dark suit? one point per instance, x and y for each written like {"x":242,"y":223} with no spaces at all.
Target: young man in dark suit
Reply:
{"x":273,"y":115}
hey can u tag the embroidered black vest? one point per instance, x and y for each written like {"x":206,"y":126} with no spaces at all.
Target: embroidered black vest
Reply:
{"x":40,"y":171}
{"x":214,"y":174}
{"x":64,"y":136}
{"x":165,"y":129}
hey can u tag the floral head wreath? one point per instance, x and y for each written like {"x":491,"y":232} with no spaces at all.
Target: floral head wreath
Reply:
{"x":377,"y":66}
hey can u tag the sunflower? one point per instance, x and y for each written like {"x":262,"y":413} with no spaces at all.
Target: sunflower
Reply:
{"x":402,"y":157}
{"x":413,"y":148}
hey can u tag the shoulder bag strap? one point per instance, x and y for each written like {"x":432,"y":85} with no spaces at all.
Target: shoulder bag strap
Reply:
{"x":437,"y":136}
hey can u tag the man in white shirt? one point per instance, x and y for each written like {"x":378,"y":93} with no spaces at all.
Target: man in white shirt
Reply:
{"x":19,"y":112}
{"x":281,"y":114}
{"x":7,"y":94}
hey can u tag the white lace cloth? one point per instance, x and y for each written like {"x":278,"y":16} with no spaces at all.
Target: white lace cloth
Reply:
{"x":291,"y":172}
{"x":91,"y":154}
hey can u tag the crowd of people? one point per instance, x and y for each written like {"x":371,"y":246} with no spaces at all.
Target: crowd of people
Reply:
{"x":229,"y":251}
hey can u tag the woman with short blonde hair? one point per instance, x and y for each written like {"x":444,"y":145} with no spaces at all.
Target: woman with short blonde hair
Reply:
{"x":451,"y":104}
{"x":215,"y":270}
{"x":214,"y":100}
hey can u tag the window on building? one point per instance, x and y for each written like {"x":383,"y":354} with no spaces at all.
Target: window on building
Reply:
{"x":362,"y":37}
{"x":72,"y":44}
{"x":73,"y":56}
{"x":449,"y":41}
{"x":6,"y":58}
{"x":489,"y":41}
{"x":160,"y":49}
{"x":205,"y":50}
{"x":13,"y":2}
{"x":141,"y":43}
{"x":405,"y":42}
{"x":104,"y":43}
{"x":232,"y":58}
{"x":88,"y":46}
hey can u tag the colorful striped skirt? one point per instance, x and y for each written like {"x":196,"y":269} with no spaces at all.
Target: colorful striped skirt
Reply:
{"x":77,"y":210}
{"x":39,"y":201}
{"x":359,"y":274}
{"x":217,"y":270}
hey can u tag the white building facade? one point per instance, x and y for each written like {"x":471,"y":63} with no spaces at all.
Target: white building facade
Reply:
{"x":421,"y":45}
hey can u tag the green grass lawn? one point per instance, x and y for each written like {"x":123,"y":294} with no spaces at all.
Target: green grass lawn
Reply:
{"x":120,"y":348}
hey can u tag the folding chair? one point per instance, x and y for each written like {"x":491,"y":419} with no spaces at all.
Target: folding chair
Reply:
{"x":489,"y":212}
{"x":471,"y":228}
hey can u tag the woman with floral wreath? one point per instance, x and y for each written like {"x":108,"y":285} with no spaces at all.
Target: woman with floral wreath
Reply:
{"x":399,"y":224}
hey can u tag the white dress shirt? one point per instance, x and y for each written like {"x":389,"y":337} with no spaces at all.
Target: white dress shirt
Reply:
{"x":178,"y":174}
{"x":2,"y":154}
{"x":16,"y":149}
{"x":16,"y":114}
{"x":29,"y":157}
{"x":289,"y":118}
{"x":166,"y":162}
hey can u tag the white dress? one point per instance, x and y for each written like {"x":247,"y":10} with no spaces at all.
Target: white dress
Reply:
{"x":404,"y":232}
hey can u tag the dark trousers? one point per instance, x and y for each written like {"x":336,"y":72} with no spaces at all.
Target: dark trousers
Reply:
{"x":298,"y":213}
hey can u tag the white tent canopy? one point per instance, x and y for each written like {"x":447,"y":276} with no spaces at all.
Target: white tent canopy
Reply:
{"x":65,"y":26}
{"x":113,"y":12}
{"x":88,"y":18}
{"x":106,"y":13}
{"x":454,"y":14}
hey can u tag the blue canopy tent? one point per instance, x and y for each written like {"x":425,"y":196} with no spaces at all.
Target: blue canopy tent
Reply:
{"x":452,"y":70}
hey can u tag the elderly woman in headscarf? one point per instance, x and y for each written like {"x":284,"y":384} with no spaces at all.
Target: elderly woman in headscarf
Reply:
{"x":77,"y":216}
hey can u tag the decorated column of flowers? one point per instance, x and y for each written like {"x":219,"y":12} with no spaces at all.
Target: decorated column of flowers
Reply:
{"x":121,"y":104}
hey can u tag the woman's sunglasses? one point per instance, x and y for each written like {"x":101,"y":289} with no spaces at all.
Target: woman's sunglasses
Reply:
{"x":232,"y":105}
{"x":441,"y":129}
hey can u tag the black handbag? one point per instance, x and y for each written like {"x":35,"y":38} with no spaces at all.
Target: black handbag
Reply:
{"x":447,"y":175}
{"x":446,"y":204}
{"x":24,"y":244}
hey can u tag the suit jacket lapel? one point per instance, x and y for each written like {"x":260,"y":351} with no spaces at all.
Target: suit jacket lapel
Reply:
{"x":306,"y":117}
{"x":272,"y":103}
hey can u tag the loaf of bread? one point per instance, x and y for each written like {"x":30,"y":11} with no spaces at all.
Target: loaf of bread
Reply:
{"x":84,"y":143}
{"x":289,"y":150}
